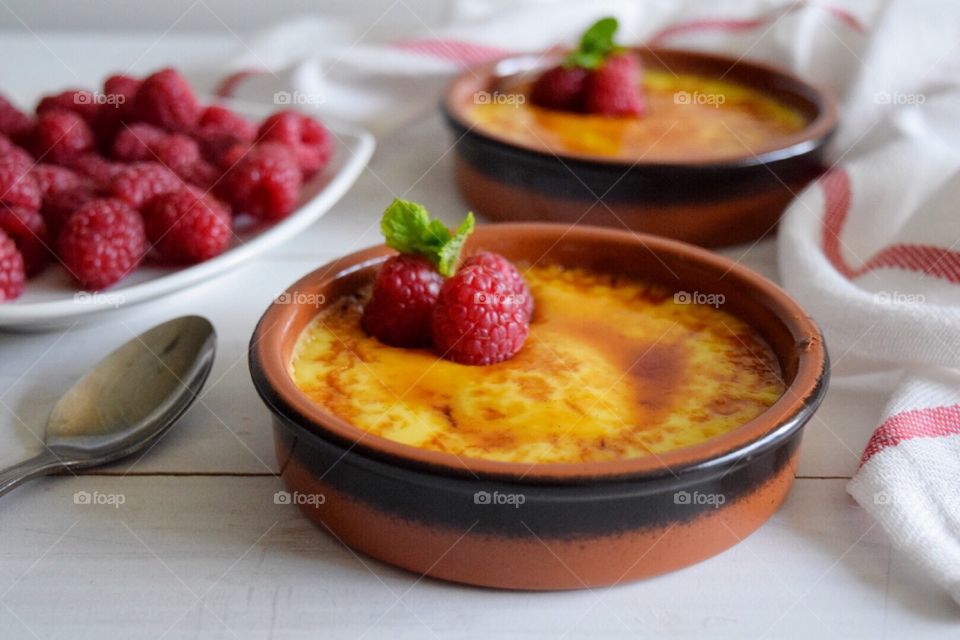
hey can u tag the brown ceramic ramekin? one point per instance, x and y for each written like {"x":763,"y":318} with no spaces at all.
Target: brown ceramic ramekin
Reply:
{"x":710,"y":203}
{"x":545,"y":526}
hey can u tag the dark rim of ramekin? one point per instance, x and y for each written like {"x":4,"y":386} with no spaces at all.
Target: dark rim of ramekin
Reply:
{"x":813,"y":136}
{"x":376,"y":447}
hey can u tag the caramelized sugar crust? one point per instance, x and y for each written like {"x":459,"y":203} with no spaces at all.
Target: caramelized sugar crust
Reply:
{"x":612,"y":369}
{"x":689,"y":117}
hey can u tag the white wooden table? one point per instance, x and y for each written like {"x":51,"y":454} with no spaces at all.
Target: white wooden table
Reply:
{"x":198,"y":549}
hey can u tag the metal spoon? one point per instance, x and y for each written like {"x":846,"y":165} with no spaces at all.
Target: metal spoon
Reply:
{"x":126,"y":402}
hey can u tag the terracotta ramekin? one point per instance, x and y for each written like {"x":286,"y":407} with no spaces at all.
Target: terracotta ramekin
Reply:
{"x":547,"y":526}
{"x":710,"y":203}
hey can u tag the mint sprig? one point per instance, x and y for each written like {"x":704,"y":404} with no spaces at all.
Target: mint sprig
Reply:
{"x":407,"y":227}
{"x":596,"y":45}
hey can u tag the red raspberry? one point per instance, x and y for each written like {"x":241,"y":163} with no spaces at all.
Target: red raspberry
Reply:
{"x":12,"y":274}
{"x":264,"y":183}
{"x":122,"y":89}
{"x":97,"y":169}
{"x":309,"y":139}
{"x":79,"y":101}
{"x":176,"y":151}
{"x":120,"y":92}
{"x":516,"y":283}
{"x":166,"y":100}
{"x":118,"y":107}
{"x":58,"y":206}
{"x":476,"y":319}
{"x":13,"y":156}
{"x":222,"y":120}
{"x":102,"y":242}
{"x":61,"y":135}
{"x":29,"y":232}
{"x":204,"y":175}
{"x":139,"y":182}
{"x":614,"y":90}
{"x":13,"y":122}
{"x":134,"y":142}
{"x":51,"y":178}
{"x":400,"y":308}
{"x":179,"y":153}
{"x":18,"y":188}
{"x":560,"y":88}
{"x":187,"y":226}
{"x":214,"y":145}
{"x":232,"y":154}
{"x":220,"y":129}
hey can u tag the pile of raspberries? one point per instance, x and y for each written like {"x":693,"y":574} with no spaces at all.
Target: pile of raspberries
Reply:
{"x":100,"y":182}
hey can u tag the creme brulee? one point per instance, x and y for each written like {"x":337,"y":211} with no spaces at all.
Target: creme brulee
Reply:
{"x":611,"y":369}
{"x":688,"y":117}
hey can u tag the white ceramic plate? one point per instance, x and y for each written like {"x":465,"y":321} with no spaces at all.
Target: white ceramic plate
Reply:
{"x":50,"y":300}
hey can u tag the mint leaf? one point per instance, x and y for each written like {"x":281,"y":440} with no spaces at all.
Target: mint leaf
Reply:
{"x":407,"y":227}
{"x":599,"y":37}
{"x":596,"y":45}
{"x":403,"y":225}
{"x":449,"y":254}
{"x":584,"y":60}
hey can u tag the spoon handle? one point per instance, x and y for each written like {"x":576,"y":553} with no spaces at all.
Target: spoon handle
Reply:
{"x":41,"y":464}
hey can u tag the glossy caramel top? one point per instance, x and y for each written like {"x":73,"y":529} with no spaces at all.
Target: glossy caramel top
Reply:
{"x":611,"y":369}
{"x":689,"y":118}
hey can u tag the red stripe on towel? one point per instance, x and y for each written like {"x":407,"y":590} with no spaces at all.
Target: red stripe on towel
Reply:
{"x":930,"y":260}
{"x":464,"y":53}
{"x":228,"y":86}
{"x":934,"y":422}
{"x":747,"y":24}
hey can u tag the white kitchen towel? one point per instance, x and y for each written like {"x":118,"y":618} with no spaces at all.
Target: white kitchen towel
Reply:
{"x":871,"y":249}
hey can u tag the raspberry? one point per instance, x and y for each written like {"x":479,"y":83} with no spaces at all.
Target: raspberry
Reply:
{"x":139,"y":182}
{"x":221,"y":129}
{"x":97,"y":169}
{"x":222,"y":120}
{"x":118,"y":107}
{"x":179,"y":153}
{"x":613,"y":89}
{"x":61,"y":135}
{"x":28,"y":230}
{"x":187,"y":226}
{"x":58,"y":206}
{"x":78,"y":101}
{"x":134,"y":142}
{"x":232,"y":154}
{"x":476,"y":319}
{"x":166,"y":100}
{"x":204,"y":175}
{"x":310,"y":140}
{"x":121,"y":90}
{"x":516,"y":283}
{"x":214,"y":145}
{"x":13,"y":156}
{"x":101,"y":243}
{"x":560,"y":88}
{"x":51,"y":178}
{"x":404,"y":293}
{"x":12,"y":274}
{"x":264,"y":183}
{"x":18,"y":188}
{"x":13,"y":122}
